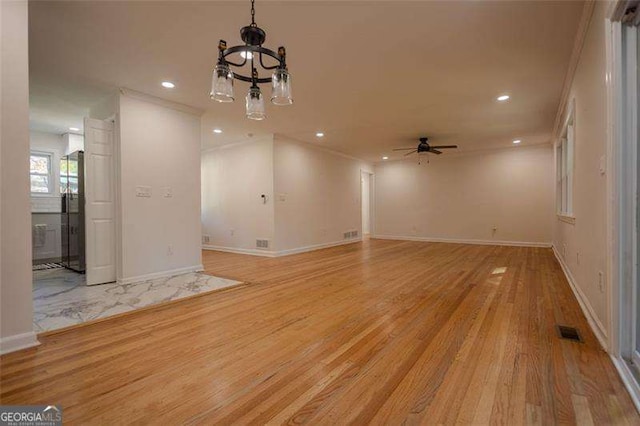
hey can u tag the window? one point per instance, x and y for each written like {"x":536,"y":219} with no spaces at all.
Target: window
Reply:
{"x":41,"y":176}
{"x":564,"y":167}
{"x":68,"y":176}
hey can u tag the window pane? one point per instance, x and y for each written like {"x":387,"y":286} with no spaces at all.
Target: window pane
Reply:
{"x":63,"y":167}
{"x":73,"y":185}
{"x":39,"y":184}
{"x":73,"y":168}
{"x":63,"y":184}
{"x":39,"y":164}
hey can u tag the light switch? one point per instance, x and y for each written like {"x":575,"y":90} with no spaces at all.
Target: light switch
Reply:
{"x":143,"y":191}
{"x":167,"y":192}
{"x":282,"y":197}
{"x":603,"y":165}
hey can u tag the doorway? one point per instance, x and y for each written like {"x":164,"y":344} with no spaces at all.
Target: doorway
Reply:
{"x":366,"y":187}
{"x":628,"y":183}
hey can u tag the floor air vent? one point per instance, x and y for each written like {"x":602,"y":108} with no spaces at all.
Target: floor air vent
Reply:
{"x":569,"y":333}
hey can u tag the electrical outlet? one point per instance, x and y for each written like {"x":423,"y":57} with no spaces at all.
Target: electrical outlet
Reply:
{"x":169,"y":250}
{"x":206,"y":239}
{"x":601,"y":281}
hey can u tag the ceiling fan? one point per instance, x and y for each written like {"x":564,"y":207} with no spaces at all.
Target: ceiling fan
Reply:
{"x":424,"y":146}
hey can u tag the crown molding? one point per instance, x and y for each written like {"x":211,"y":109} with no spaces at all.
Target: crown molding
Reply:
{"x":161,"y":102}
{"x":583,"y":27}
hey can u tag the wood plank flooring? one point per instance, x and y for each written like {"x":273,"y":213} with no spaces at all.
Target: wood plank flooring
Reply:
{"x":380,"y":332}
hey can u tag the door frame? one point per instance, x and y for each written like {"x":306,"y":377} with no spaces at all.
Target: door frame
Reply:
{"x":372,"y":192}
{"x":622,"y":164}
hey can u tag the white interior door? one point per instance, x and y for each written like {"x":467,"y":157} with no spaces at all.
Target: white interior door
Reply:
{"x":100,"y":201}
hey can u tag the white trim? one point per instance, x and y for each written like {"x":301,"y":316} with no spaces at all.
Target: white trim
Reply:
{"x":18,"y":342}
{"x":162,"y":102}
{"x":252,"y":252}
{"x":161,"y":274}
{"x":596,"y":325}
{"x":281,"y":136}
{"x":578,"y":43}
{"x":266,"y":253}
{"x":628,"y":379}
{"x":475,"y":152}
{"x":317,"y":247}
{"x":462,"y":241}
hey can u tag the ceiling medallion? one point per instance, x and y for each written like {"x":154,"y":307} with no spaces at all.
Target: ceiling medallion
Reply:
{"x":252,"y":52}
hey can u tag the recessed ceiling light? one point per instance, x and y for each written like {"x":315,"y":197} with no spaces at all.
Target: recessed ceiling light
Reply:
{"x":168,"y":84}
{"x":217,"y":130}
{"x":319,"y":134}
{"x":74,"y":129}
{"x":246,"y":55}
{"x":503,"y":98}
{"x":385,"y":158}
{"x":517,"y":141}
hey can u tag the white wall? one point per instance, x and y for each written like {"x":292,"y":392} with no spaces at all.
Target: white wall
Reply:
{"x":313,"y":196}
{"x":582,"y":246}
{"x":160,"y":148}
{"x":233,"y":179}
{"x":464,"y":196}
{"x":16,"y":306}
{"x":317,"y":195}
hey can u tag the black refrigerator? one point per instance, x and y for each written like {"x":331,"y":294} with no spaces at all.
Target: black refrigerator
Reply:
{"x":73,"y":221}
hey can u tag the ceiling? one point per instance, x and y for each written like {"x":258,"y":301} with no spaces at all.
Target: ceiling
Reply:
{"x":370,"y":75}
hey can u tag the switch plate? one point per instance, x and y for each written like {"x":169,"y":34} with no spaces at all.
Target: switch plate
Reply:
{"x":143,"y":191}
{"x":167,"y":192}
{"x":603,"y":164}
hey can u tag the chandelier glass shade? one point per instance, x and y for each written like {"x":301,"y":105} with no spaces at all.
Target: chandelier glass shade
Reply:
{"x":255,"y":104}
{"x":222,"y":84}
{"x":253,"y":55}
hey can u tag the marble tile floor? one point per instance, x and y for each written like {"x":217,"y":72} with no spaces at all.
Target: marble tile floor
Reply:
{"x":61,"y":298}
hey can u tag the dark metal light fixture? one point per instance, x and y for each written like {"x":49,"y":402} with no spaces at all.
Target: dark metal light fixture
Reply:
{"x":252,"y":52}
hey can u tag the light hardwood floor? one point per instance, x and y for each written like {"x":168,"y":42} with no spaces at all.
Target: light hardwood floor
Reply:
{"x":381,"y":332}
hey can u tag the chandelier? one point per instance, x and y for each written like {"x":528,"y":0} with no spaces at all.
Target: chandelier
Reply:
{"x":252,"y":53}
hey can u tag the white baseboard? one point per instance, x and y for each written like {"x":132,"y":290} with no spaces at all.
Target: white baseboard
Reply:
{"x":253,"y":252}
{"x":161,"y":274}
{"x":18,"y":342}
{"x":317,"y":247}
{"x":628,"y":379}
{"x":596,"y":325}
{"x":267,"y":253}
{"x":461,"y":241}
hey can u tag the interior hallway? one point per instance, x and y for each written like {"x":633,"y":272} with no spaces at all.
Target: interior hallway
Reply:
{"x":380,"y":332}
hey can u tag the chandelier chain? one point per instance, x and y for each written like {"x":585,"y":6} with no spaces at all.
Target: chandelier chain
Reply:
{"x":253,"y":13}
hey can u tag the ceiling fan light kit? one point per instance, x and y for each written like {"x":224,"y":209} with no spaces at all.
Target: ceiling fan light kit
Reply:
{"x":253,"y":53}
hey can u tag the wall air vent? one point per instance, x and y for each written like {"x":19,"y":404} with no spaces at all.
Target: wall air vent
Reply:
{"x":262,"y":244}
{"x":347,"y":235}
{"x":569,"y":333}
{"x":354,"y":234}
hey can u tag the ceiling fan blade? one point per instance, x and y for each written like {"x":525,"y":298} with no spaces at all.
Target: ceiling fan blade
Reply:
{"x":408,"y":153}
{"x":435,"y":151}
{"x":403,"y":149}
{"x":444,"y":146}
